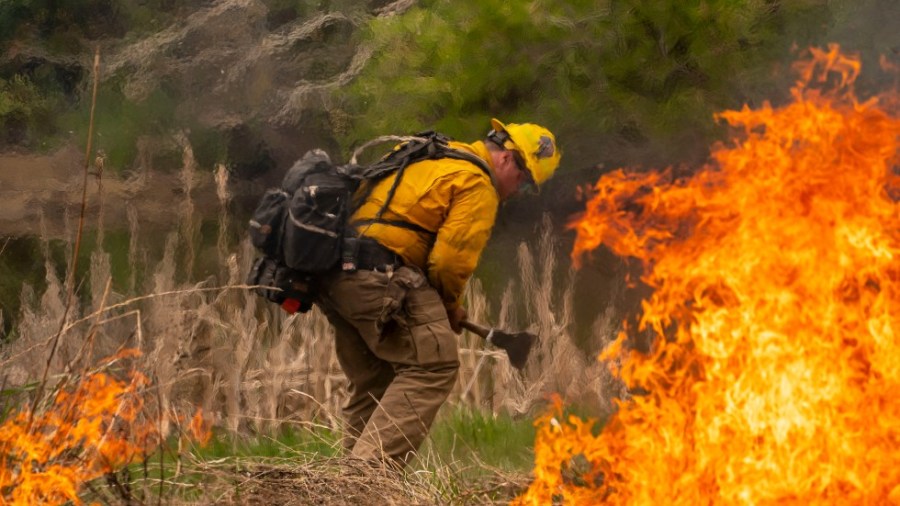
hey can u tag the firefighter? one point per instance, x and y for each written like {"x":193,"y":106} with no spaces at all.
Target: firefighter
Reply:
{"x":396,"y":315}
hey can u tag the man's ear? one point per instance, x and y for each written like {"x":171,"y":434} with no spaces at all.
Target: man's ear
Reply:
{"x":505,"y":155}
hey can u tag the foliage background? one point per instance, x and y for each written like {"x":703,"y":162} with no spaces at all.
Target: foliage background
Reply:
{"x":606,"y":75}
{"x":612,"y":77}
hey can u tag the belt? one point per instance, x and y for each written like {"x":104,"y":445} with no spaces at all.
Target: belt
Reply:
{"x":372,"y":256}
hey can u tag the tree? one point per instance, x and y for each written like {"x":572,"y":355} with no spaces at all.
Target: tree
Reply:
{"x":600,"y":73}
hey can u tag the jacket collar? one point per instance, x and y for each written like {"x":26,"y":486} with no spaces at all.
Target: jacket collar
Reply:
{"x":479,"y":149}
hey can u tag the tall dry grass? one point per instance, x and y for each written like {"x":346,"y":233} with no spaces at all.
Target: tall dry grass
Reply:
{"x":212,"y":343}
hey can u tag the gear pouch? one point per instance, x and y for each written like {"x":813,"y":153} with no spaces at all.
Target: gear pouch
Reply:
{"x":399,"y":284}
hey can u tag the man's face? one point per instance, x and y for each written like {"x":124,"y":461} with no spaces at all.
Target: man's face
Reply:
{"x":511,"y":175}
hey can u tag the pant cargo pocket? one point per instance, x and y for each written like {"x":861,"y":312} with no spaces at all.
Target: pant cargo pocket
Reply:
{"x":401,"y":282}
{"x":435,"y":343}
{"x":426,"y":321}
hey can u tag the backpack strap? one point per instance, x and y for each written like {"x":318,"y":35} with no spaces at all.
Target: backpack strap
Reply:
{"x":397,"y":223}
{"x":469,"y":157}
{"x":424,"y":146}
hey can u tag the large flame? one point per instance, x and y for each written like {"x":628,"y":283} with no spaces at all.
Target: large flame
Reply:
{"x":89,"y":429}
{"x":775,"y":373}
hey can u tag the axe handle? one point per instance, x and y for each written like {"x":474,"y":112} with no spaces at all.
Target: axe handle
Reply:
{"x":476,"y":328}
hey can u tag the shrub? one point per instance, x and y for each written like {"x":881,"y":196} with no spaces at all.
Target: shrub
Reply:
{"x":26,"y":112}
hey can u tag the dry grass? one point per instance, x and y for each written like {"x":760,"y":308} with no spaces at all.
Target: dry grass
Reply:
{"x":302,"y":480}
{"x":252,"y":368}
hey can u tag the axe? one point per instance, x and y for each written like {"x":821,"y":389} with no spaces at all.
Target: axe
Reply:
{"x":517,"y":345}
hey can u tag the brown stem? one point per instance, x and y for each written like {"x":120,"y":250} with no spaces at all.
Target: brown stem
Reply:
{"x":70,"y":283}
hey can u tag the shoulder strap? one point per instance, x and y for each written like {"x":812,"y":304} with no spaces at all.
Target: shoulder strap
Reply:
{"x":423,"y":146}
{"x":469,"y":157}
{"x":428,"y":145}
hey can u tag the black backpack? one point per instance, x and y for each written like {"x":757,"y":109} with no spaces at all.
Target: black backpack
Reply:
{"x":300,"y":227}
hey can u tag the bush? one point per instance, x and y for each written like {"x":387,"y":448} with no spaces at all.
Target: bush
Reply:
{"x":26,"y":112}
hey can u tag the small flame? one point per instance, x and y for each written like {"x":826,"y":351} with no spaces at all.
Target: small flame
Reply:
{"x":200,"y":429}
{"x":92,"y":428}
{"x":776,"y":310}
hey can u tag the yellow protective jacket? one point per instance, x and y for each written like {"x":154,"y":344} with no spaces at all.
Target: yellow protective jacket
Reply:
{"x":453,"y":199}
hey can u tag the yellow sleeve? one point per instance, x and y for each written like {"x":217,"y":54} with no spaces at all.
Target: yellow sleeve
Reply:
{"x":462,"y":236}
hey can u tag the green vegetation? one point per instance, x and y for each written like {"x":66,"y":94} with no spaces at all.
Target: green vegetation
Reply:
{"x":286,"y":442}
{"x":638,"y":70}
{"x":119,"y":121}
{"x":43,"y":98}
{"x":27,"y":112}
{"x":469,"y":437}
{"x":62,"y":23}
{"x":26,"y":258}
{"x":462,"y":437}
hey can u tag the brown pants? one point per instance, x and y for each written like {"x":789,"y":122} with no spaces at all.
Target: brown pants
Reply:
{"x":395,"y":345}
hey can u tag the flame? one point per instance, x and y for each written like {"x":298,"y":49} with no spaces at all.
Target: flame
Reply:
{"x":776,"y":308}
{"x":200,"y":429}
{"x":89,"y":429}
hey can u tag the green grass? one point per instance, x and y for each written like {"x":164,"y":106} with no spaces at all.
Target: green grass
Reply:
{"x":460,"y":436}
{"x":464,"y":440}
{"x":470,"y":438}
{"x":286,"y":442}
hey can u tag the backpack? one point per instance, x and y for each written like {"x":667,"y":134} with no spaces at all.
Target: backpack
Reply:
{"x":299,"y":227}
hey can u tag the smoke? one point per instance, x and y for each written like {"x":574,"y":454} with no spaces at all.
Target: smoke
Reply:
{"x":864,"y":27}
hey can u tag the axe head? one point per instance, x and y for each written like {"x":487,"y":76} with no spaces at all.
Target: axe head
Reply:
{"x":517,"y":345}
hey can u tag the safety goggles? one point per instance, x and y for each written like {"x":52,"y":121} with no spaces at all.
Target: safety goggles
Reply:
{"x":528,"y":186}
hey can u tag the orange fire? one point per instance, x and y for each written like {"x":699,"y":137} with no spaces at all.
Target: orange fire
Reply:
{"x":95,"y":427}
{"x":776,"y":308}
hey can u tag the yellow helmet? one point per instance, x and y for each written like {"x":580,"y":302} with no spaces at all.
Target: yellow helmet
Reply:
{"x":536,"y":145}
